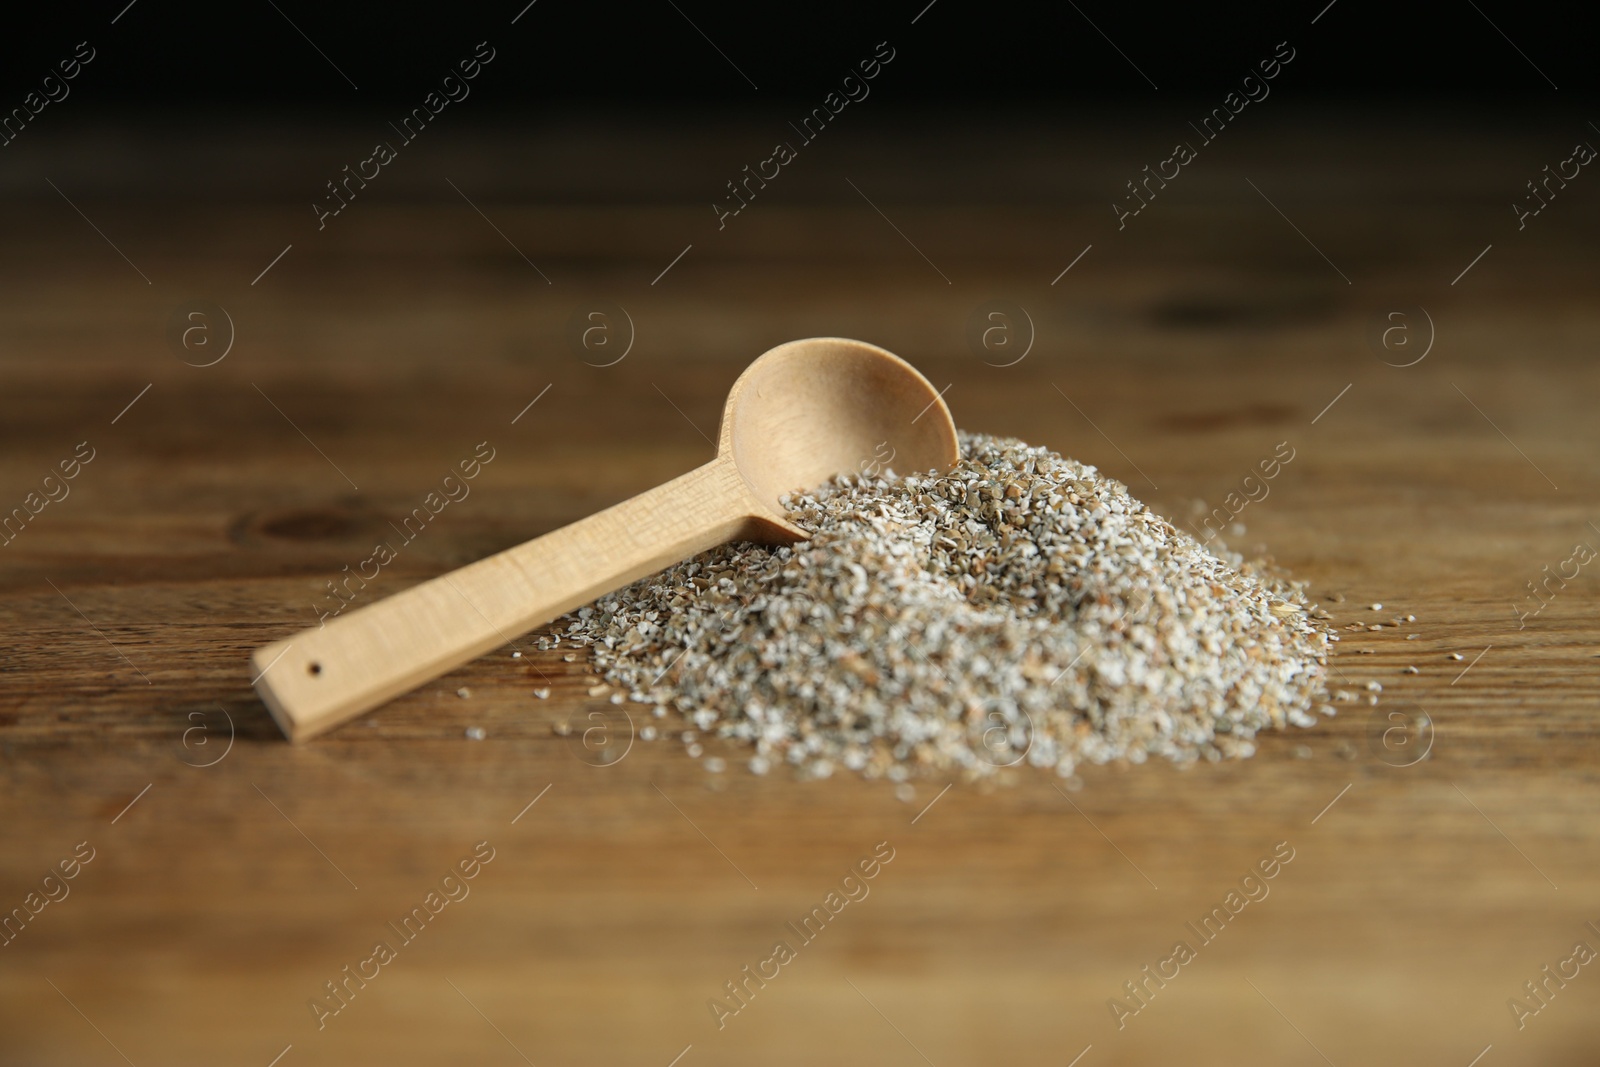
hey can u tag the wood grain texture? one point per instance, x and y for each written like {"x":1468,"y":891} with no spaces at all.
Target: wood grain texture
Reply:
{"x":1174,"y":354}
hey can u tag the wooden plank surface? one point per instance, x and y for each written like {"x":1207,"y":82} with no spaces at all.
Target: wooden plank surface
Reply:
{"x":378,"y":353}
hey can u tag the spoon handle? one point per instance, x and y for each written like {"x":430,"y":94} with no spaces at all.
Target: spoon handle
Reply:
{"x":324,"y":676}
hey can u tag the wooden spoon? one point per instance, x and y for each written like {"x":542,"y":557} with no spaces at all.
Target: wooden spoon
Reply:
{"x":797,"y":416}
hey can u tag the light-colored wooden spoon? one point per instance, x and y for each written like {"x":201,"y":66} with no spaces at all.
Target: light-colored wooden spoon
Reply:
{"x":797,"y":416}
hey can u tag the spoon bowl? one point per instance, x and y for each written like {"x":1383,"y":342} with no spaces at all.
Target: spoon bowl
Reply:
{"x":808,"y":410}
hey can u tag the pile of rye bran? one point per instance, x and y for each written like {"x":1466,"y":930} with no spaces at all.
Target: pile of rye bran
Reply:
{"x":1019,"y":608}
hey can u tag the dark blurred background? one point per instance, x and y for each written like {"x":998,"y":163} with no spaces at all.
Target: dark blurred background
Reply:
{"x":265,"y":54}
{"x":271,"y":98}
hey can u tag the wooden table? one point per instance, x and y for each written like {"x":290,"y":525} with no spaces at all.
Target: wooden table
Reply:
{"x":229,"y":884}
